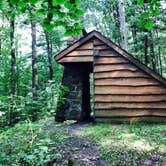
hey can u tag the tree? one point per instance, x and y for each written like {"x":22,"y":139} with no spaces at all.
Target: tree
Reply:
{"x":34,"y":60}
{"x":122,"y":24}
{"x":49,"y":54}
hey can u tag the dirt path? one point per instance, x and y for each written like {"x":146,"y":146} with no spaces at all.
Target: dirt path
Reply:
{"x":78,"y":151}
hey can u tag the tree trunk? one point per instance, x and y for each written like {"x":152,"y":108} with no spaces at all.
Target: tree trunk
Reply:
{"x":122,"y":24}
{"x":152,"y":53}
{"x":134,"y":35}
{"x":146,"y":49}
{"x":13,"y":58}
{"x":159,"y":53}
{"x":49,"y":53}
{"x":34,"y":60}
{"x":0,"y":47}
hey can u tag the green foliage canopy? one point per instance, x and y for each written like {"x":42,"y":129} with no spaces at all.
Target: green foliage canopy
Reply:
{"x":53,"y":13}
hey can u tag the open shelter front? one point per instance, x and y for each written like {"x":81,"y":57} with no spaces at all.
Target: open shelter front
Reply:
{"x":125,"y":90}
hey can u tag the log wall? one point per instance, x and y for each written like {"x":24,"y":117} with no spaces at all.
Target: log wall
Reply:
{"x":122,"y":91}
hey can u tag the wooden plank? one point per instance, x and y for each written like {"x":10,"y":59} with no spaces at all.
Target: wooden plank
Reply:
{"x":129,"y":113}
{"x":75,"y":45}
{"x":76,"y":59}
{"x":108,"y":53}
{"x":88,"y":45}
{"x":130,"y":58}
{"x":101,"y":47}
{"x":131,"y":98}
{"x":121,"y":73}
{"x":129,"y":90}
{"x":118,"y":67}
{"x":130,"y":105}
{"x":126,"y":81}
{"x":80,"y":53}
{"x":97,"y":42}
{"x":152,"y":119}
{"x":110,"y":60}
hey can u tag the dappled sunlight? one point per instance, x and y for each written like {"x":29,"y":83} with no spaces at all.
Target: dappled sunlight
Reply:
{"x":127,"y":142}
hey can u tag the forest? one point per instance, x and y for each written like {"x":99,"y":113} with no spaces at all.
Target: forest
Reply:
{"x":32,"y":33}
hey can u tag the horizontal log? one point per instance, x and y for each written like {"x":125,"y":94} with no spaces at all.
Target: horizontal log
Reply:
{"x":152,"y":119}
{"x":126,"y":81}
{"x":121,"y":74}
{"x":130,"y":105}
{"x":97,"y":42}
{"x":129,"y":90}
{"x":129,"y":98}
{"x":110,"y":60}
{"x":102,"y":68}
{"x":107,"y":53}
{"x":76,"y":59}
{"x":101,"y":47}
{"x":88,"y":45}
{"x":80,"y":53}
{"x":129,"y":113}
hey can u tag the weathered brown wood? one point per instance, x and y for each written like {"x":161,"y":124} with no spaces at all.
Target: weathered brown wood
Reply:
{"x":108,"y":53}
{"x":80,"y":53}
{"x":130,"y":58}
{"x":129,"y":90}
{"x":74,"y":46}
{"x":88,"y":45}
{"x":76,"y":59}
{"x":97,"y":42}
{"x":118,"y":67}
{"x":126,"y":81}
{"x":129,"y":105}
{"x":121,"y":73}
{"x":110,"y":60}
{"x":130,"y":98}
{"x":151,"y":119}
{"x":101,"y":47}
{"x":129,"y":113}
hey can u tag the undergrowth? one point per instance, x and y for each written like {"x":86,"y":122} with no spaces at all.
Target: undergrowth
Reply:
{"x":125,"y":144}
{"x":30,"y":144}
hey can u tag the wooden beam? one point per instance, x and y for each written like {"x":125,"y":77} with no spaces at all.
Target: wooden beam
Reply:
{"x":130,"y":98}
{"x":129,"y":90}
{"x":117,"y":67}
{"x":123,"y":74}
{"x":129,"y":113}
{"x":143,"y":105}
{"x":76,"y":59}
{"x":126,"y":82}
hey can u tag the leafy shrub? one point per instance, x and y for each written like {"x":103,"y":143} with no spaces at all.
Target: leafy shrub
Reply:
{"x":29,"y":144}
{"x":18,"y":108}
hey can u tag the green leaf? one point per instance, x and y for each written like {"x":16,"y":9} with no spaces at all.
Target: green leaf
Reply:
{"x":34,"y":1}
{"x":40,"y":12}
{"x":149,"y":24}
{"x":145,"y":15}
{"x":68,"y":5}
{"x":155,"y":12}
{"x":58,"y":2}
{"x":13,"y":2}
{"x":68,"y":33}
{"x":79,"y":12}
{"x":77,"y":2}
{"x":140,"y":2}
{"x":141,"y":23}
{"x":22,"y":4}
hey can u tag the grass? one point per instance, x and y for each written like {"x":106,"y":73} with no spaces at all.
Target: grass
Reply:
{"x":125,"y":144}
{"x":31,"y":144}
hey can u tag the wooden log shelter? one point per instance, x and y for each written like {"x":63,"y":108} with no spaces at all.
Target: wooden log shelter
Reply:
{"x":125,"y":90}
